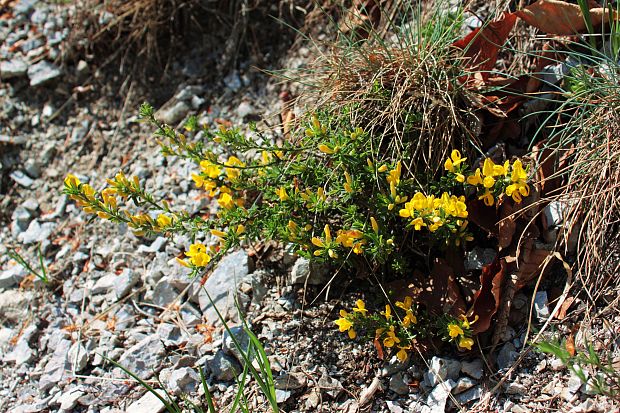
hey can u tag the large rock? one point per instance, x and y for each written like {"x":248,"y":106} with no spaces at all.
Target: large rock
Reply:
{"x":42,"y":73}
{"x":13,"y":68}
{"x":144,"y":357}
{"x":308,"y":272}
{"x":222,"y":287}
{"x":14,"y":304}
{"x":58,"y":368}
{"x":12,"y":276}
{"x":36,"y":232}
{"x":149,"y":403}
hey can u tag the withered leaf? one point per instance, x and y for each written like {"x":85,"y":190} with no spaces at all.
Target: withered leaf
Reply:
{"x":483,"y":44}
{"x":487,"y":299}
{"x":560,"y":17}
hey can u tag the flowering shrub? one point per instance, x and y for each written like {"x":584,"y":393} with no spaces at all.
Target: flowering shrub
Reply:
{"x":327,"y":193}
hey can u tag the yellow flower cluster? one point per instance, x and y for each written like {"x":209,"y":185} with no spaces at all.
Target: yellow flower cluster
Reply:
{"x":459,"y":331}
{"x":197,"y":255}
{"x":434,"y":212}
{"x":210,"y":178}
{"x":494,"y":176}
{"x":351,"y":238}
{"x":388,"y":331}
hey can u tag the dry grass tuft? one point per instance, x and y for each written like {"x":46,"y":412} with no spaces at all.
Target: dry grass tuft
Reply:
{"x":146,"y":29}
{"x":593,"y":196}
{"x":411,"y":100}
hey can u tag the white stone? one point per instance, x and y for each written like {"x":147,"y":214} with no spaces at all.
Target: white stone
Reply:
{"x":149,"y":403}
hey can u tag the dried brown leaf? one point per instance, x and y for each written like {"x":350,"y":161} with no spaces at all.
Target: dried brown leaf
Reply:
{"x":559,"y":17}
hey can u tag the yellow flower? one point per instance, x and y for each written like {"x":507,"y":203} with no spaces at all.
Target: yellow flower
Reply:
{"x":210,"y":169}
{"x":466,"y":323}
{"x":454,"y":161}
{"x":164,"y":221}
{"x":487,"y":167}
{"x":402,"y":353}
{"x":326,"y":149}
{"x":328,"y":234}
{"x":406,"y":304}
{"x":233,"y":173}
{"x":476,"y":178}
{"x":488,"y":181}
{"x":487,"y":197}
{"x":361,"y":307}
{"x":226,"y":201}
{"x":218,"y":233}
{"x":454,"y":330}
{"x":347,"y":238}
{"x":344,"y":324}
{"x":466,"y":342}
{"x":383,"y":168}
{"x":317,"y":242}
{"x":349,"y":182}
{"x":375,"y":226}
{"x":281,"y":192}
{"x":388,"y":312}
{"x":183,"y":262}
{"x":198,"y":255}
{"x":418,"y":223}
{"x":240,"y":229}
{"x":72,"y":181}
{"x":394,"y":176}
{"x":391,"y":340}
{"x":460,"y":177}
{"x":292,"y":227}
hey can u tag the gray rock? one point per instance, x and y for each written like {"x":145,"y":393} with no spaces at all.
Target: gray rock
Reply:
{"x":283,"y":395}
{"x":222,"y":287}
{"x":557,"y":364}
{"x":223,"y":367}
{"x":42,"y":73}
{"x":516,"y":388}
{"x":144,"y":357}
{"x":183,"y":381}
{"x":125,"y":282}
{"x":507,"y":356}
{"x":470,"y":395}
{"x":541,"y":305}
{"x":156,"y":246}
{"x":259,"y":288}
{"x":442,"y":369}
{"x":32,"y":168}
{"x":474,"y":368}
{"x":78,"y":356}
{"x":439,"y":396}
{"x":14,"y":304}
{"x":228,"y":344}
{"x":462,"y":384}
{"x":104,"y":284}
{"x":13,"y":68}
{"x":12,"y":276}
{"x":292,"y":381}
{"x":398,"y":385}
{"x":173,"y":113}
{"x":68,"y":400}
{"x":314,"y":273}
{"x":22,"y":179}
{"x":164,"y":293}
{"x":13,"y":140}
{"x":169,"y":334}
{"x":58,"y":367}
{"x":479,"y":257}
{"x":36,"y":232}
{"x":21,"y":354}
{"x":80,"y":131}
{"x":330,"y":385}
{"x":20,"y":219}
{"x":24,"y":7}
{"x":149,"y":403}
{"x":244,"y":109}
{"x":82,"y":68}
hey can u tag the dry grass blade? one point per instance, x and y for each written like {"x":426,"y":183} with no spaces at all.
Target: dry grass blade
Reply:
{"x":592,"y":196}
{"x":411,"y":100}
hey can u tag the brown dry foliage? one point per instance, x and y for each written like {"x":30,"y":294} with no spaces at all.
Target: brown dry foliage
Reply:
{"x":411,"y":99}
{"x":593,"y":196}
